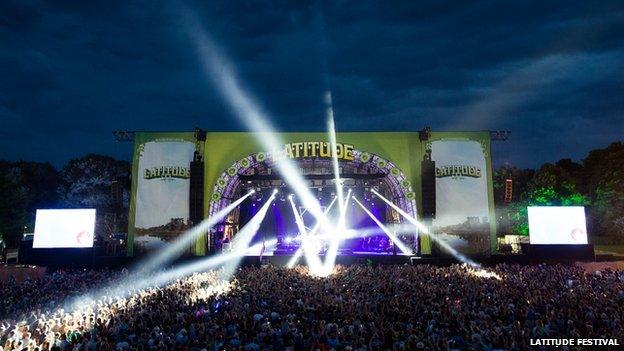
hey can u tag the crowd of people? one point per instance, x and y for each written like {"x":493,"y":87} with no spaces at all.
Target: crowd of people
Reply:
{"x":359,"y":307}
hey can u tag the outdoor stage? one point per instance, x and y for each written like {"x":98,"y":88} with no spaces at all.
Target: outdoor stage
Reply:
{"x":370,"y":182}
{"x":364,"y":198}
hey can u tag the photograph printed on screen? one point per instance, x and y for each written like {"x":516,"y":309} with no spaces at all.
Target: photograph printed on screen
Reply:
{"x":163,"y":181}
{"x":462,"y":211}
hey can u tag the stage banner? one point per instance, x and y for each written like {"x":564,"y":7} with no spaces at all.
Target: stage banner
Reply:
{"x":463,"y":205}
{"x":159,"y":209}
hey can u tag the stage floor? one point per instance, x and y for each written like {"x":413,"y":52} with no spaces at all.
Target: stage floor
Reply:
{"x":257,"y":251}
{"x":374,"y":259}
{"x":282,"y":260}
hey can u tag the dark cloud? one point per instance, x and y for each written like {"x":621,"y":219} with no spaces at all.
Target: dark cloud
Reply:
{"x":551,"y":71}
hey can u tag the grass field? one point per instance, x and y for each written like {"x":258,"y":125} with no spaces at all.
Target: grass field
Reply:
{"x":617,"y":248}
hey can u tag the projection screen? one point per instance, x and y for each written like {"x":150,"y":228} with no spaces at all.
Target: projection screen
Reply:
{"x":549,"y":225}
{"x":67,"y":228}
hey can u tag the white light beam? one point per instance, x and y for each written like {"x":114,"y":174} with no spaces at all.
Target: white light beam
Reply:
{"x":412,"y":220}
{"x":218,"y":68}
{"x":314,"y":262}
{"x":460,"y":257}
{"x":331,"y":126}
{"x":173,"y":250}
{"x":293,"y":260}
{"x":336,"y":237}
{"x":242,"y":239}
{"x":404,"y":249}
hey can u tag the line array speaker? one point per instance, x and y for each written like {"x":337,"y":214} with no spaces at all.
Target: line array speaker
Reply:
{"x":428,"y":189}
{"x":196,"y":192}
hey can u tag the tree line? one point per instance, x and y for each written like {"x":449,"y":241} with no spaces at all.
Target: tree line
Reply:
{"x":596,"y":182}
{"x":84,"y":182}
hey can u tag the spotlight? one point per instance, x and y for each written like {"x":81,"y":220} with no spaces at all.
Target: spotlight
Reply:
{"x":275,"y":191}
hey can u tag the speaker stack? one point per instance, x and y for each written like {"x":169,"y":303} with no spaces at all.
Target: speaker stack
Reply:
{"x":428,"y":189}
{"x":428,"y":179}
{"x":196,"y":191}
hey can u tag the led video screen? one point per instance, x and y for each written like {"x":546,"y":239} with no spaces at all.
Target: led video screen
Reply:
{"x":550,"y":225}
{"x":64,"y":228}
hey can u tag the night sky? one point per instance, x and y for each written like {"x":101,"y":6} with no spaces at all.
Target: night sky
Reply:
{"x":71,"y":72}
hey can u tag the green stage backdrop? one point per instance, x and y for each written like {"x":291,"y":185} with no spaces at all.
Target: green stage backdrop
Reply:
{"x":224,"y":150}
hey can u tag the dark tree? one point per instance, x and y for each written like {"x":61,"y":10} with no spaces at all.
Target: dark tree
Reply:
{"x":520,"y":178}
{"x":604,"y":185}
{"x":86,"y":183}
{"x":42,"y":181}
{"x":13,"y":204}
